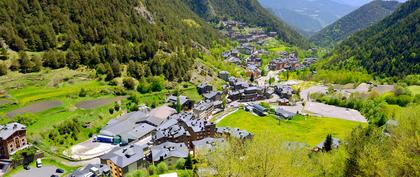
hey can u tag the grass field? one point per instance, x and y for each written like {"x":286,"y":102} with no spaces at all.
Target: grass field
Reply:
{"x":415,"y":89}
{"x":310,"y":130}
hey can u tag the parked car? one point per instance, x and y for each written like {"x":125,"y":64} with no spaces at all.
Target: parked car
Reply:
{"x":59,"y":170}
{"x":38,"y":163}
{"x":26,"y":167}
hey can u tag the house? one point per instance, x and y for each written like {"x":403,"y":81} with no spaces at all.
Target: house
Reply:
{"x":320,"y":146}
{"x":284,"y":114}
{"x":169,"y":152}
{"x":235,"y":53}
{"x":203,"y":110}
{"x":186,"y":104}
{"x":253,"y":70}
{"x":90,"y":170}
{"x":251,"y":94}
{"x":12,"y":139}
{"x":234,"y":95}
{"x":259,"y":110}
{"x":224,"y":75}
{"x":235,"y":60}
{"x":234,"y":132}
{"x":135,"y":126}
{"x":204,"y":88}
{"x":123,"y":160}
{"x":213,"y":96}
{"x":284,"y":91}
{"x":183,"y":128}
{"x":277,"y":64}
{"x":205,"y":145}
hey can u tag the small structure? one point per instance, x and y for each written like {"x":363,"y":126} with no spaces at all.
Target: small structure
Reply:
{"x":320,"y":146}
{"x":259,"y":110}
{"x":284,"y":114}
{"x":186,"y":104}
{"x":203,"y":110}
{"x":213,"y":96}
{"x":224,"y":75}
{"x":98,"y":170}
{"x":204,"y":88}
{"x":12,"y":139}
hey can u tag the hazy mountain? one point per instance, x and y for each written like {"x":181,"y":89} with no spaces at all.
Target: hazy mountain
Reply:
{"x":358,"y":3}
{"x":248,"y":11}
{"x":308,"y":15}
{"x":390,"y":47}
{"x":355,"y":21}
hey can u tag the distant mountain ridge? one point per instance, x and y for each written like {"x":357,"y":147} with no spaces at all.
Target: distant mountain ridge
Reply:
{"x":308,"y":16}
{"x":388,"y":48}
{"x":355,"y":21}
{"x":248,"y":11}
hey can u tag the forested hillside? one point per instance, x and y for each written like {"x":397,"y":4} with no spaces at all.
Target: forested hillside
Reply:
{"x":159,"y":37}
{"x":359,"y":19}
{"x":389,"y":48}
{"x":248,"y":11}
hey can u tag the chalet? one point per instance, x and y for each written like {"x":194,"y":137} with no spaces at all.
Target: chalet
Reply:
{"x":320,"y":146}
{"x":203,"y":110}
{"x":234,"y":132}
{"x":235,"y":60}
{"x":284,"y":91}
{"x":240,"y":85}
{"x":259,"y":110}
{"x":97,"y":170}
{"x":123,"y":160}
{"x":234,"y":95}
{"x":251,"y":94}
{"x":224,"y":75}
{"x":12,"y":139}
{"x":284,"y":114}
{"x":277,"y":64}
{"x":186,"y":104}
{"x":253,"y":70}
{"x":254,"y":61}
{"x":169,"y":152}
{"x":235,"y":53}
{"x":213,"y":96}
{"x":204,"y":88}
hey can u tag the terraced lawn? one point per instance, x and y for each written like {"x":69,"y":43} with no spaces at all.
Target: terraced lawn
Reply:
{"x":310,"y":130}
{"x":415,"y":89}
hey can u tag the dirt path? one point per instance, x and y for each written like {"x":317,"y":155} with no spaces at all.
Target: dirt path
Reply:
{"x":90,"y":104}
{"x":35,"y":107}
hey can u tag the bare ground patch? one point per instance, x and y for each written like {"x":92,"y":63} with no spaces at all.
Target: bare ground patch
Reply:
{"x":35,"y":107}
{"x":5,"y":102}
{"x":90,"y":104}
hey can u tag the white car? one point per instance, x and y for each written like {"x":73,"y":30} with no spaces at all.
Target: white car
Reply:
{"x":38,"y":163}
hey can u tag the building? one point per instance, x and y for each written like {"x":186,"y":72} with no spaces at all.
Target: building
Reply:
{"x":284,"y":91}
{"x":204,"y":88}
{"x":258,"y":109}
{"x":135,"y":126}
{"x":203,"y":110}
{"x":213,"y":96}
{"x":12,"y":139}
{"x":123,"y":160}
{"x":284,"y":114}
{"x":186,"y":104}
{"x":205,"y":145}
{"x":92,"y":170}
{"x":184,"y":128}
{"x":224,"y":75}
{"x":169,"y":152}
{"x":234,"y":132}
{"x":320,"y":146}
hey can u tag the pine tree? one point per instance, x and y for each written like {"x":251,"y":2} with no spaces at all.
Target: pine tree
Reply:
{"x":25,"y":62}
{"x":178,"y":104}
{"x":189,"y":162}
{"x":328,"y":143}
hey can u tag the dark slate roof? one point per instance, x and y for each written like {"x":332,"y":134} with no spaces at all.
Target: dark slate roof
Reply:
{"x":211,"y":94}
{"x":7,"y":130}
{"x":169,"y":149}
{"x":202,"y":106}
{"x":124,"y":156}
{"x":89,"y":170}
{"x":258,"y":107}
{"x":284,"y":113}
{"x":173,"y":99}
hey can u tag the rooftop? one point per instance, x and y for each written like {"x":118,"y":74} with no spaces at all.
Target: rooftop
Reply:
{"x":7,"y":130}
{"x":124,"y":156}
{"x":169,"y":149}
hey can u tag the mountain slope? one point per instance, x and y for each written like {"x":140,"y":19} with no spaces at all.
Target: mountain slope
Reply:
{"x":248,"y":11}
{"x":390,"y":47}
{"x":93,"y":32}
{"x":355,"y":21}
{"x":323,"y":12}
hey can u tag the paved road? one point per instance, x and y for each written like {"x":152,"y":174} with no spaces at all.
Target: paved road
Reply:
{"x":45,"y":171}
{"x":305,"y":94}
{"x":324,"y":110}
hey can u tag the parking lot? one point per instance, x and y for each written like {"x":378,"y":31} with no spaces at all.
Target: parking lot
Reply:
{"x":46,"y":171}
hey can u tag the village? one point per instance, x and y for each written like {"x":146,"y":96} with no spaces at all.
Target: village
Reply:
{"x":182,"y":128}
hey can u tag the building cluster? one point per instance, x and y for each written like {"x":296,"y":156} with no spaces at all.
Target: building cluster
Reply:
{"x":169,"y":136}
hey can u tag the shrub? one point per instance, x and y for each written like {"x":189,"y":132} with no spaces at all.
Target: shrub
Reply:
{"x":129,"y":83}
{"x":113,"y":82}
{"x":111,"y":110}
{"x":162,"y":167}
{"x":119,"y":91}
{"x":3,"y":69}
{"x":180,"y":163}
{"x":82,"y":92}
{"x":152,"y":170}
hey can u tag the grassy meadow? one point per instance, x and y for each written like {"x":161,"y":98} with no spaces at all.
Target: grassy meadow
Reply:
{"x":309,"y":130}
